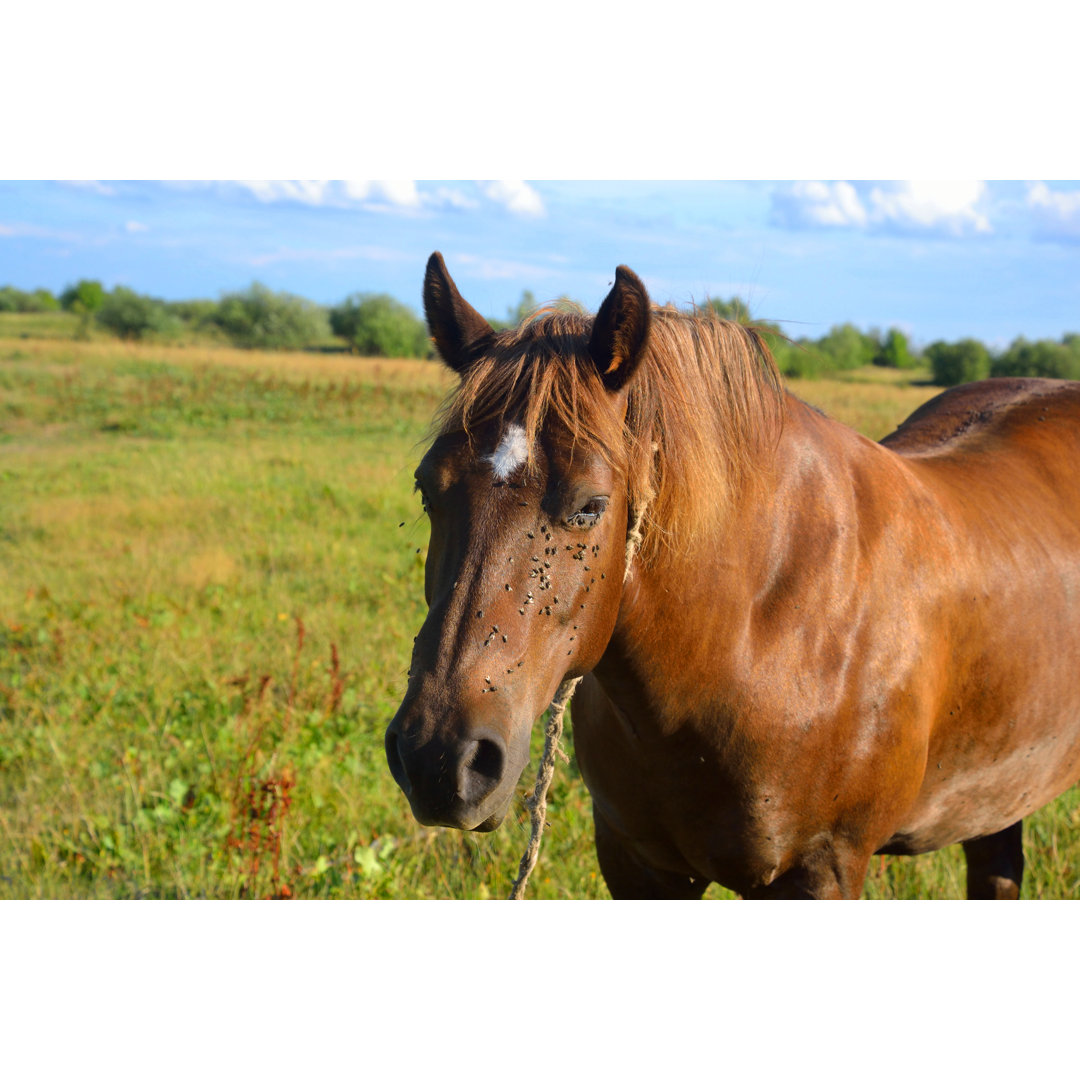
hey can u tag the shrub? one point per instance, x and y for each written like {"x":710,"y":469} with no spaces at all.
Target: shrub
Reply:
{"x":83,"y":296}
{"x":12,"y":299}
{"x":1041,"y":359}
{"x":131,"y":316}
{"x":845,"y":348}
{"x":798,"y":359}
{"x":258,"y":318}
{"x":735,"y":309}
{"x":895,"y":353}
{"x":378,"y":325}
{"x":196,"y":314}
{"x":960,"y":362}
{"x":525,"y":307}
{"x":43,"y":300}
{"x":517,"y":314}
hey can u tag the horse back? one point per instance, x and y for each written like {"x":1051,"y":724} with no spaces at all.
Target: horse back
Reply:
{"x":992,"y":408}
{"x":1000,"y":460}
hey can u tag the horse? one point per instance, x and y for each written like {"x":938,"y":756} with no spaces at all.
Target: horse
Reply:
{"x":797,"y":647}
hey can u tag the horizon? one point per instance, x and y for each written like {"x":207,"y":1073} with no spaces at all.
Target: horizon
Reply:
{"x":938,"y":260}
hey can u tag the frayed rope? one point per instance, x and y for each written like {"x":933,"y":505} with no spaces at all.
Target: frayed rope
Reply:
{"x":537,"y":801}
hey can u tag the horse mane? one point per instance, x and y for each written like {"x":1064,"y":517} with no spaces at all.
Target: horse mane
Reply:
{"x":705,"y":401}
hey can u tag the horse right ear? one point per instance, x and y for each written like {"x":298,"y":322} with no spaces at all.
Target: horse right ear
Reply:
{"x":621,"y":329}
{"x":460,"y":332}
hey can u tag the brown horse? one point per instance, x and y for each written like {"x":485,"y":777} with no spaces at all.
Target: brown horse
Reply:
{"x":822,"y":647}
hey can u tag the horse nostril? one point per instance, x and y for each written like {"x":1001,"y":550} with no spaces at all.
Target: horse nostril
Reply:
{"x":488,"y":759}
{"x":481,"y":771}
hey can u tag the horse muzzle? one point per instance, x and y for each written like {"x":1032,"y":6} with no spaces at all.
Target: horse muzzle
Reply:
{"x":462,"y":781}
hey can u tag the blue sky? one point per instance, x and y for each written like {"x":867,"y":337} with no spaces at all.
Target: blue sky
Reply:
{"x":940,"y":259}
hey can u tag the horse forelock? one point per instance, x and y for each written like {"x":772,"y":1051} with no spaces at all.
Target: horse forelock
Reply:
{"x":535,"y":374}
{"x":703,"y":408}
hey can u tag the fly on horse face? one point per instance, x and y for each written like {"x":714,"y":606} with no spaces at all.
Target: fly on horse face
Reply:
{"x":798,"y":647}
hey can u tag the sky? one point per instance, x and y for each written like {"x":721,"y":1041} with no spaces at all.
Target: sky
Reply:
{"x":938,"y":259}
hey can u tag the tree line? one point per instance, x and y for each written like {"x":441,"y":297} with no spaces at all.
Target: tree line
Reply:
{"x":845,"y":348}
{"x":375,"y":324}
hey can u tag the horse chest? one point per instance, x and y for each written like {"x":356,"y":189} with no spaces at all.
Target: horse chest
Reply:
{"x":686,"y":804}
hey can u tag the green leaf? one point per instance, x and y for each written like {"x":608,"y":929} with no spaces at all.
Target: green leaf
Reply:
{"x":368,"y":861}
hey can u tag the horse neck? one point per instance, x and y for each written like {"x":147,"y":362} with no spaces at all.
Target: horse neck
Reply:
{"x":797,"y":507}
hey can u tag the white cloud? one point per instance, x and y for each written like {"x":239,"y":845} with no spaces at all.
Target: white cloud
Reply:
{"x":136,"y":226}
{"x":937,"y":205}
{"x":371,"y":194}
{"x":96,"y":186}
{"x":516,"y":195}
{"x":1056,"y":213}
{"x":446,"y":196}
{"x":395,"y":192}
{"x":811,"y":202}
{"x":951,"y":207}
{"x":311,"y":192}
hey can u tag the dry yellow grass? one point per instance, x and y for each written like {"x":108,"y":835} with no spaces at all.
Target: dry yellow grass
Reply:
{"x":873,"y":401}
{"x":54,"y":357}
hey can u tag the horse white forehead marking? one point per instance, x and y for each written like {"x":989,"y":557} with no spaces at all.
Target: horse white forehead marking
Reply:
{"x":511,"y":453}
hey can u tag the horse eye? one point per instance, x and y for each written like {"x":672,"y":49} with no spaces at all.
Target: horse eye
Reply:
{"x":588,"y":515}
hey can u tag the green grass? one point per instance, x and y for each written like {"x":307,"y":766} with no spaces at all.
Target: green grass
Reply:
{"x":206,"y":609}
{"x":38,"y":324}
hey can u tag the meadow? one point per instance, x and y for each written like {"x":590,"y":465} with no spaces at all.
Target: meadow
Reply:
{"x":211,"y":567}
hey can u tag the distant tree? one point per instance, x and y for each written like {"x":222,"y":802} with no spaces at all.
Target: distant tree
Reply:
{"x":12,"y":299}
{"x":43,"y":300}
{"x":516,"y":314}
{"x":845,"y":348}
{"x":9,"y":298}
{"x":525,"y":307}
{"x":895,"y":352}
{"x":1040,"y":359}
{"x":960,"y":362}
{"x":379,"y":325}
{"x":799,"y":359}
{"x":258,"y":318}
{"x":735,"y":309}
{"x":131,"y":316}
{"x":83,"y":299}
{"x":84,"y":296}
{"x":197,"y":314}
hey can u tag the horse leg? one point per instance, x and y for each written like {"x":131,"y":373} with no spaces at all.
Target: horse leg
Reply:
{"x":995,"y":865}
{"x":630,"y":879}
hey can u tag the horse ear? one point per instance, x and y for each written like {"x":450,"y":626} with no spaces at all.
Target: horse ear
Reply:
{"x":460,"y":332}
{"x":621,"y":329}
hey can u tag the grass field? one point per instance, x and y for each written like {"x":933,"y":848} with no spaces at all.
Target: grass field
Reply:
{"x":206,"y":611}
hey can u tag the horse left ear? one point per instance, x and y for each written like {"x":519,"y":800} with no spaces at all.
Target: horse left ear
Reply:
{"x":621,"y":329}
{"x":459,"y":330}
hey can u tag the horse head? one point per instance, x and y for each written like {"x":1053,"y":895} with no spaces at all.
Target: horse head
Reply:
{"x":525,"y":488}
